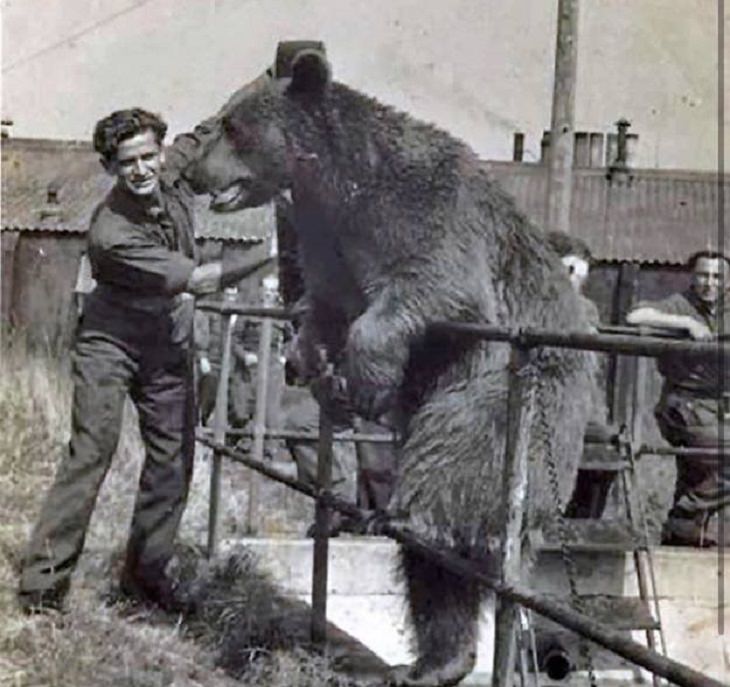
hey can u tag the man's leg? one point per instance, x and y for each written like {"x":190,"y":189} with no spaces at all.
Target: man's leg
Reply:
{"x":164,"y":398}
{"x":101,"y":372}
{"x":376,"y":468}
{"x":301,"y":414}
{"x":701,"y":490}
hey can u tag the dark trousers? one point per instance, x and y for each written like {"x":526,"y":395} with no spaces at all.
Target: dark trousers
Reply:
{"x":158,"y":377}
{"x":300,"y":413}
{"x":364,"y":473}
{"x":376,"y":468}
{"x":703,"y":482}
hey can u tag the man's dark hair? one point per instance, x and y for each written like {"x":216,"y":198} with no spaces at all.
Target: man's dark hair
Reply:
{"x":709,"y":255}
{"x":122,"y":124}
{"x":565,"y":244}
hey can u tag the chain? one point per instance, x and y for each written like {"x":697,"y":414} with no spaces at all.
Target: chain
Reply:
{"x":565,"y":554}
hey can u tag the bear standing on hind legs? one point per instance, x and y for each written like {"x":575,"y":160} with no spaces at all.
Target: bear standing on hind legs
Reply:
{"x":398,"y":226}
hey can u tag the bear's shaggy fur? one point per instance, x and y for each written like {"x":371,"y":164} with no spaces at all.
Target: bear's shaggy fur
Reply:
{"x":399,"y":226}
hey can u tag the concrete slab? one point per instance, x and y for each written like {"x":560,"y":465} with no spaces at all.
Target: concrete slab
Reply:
{"x":367,"y":601}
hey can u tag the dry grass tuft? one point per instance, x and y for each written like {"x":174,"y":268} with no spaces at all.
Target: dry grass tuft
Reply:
{"x":242,"y":635}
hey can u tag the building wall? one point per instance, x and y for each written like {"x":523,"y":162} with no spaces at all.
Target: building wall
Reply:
{"x":480,"y":68}
{"x":39,"y":272}
{"x":43,"y":271}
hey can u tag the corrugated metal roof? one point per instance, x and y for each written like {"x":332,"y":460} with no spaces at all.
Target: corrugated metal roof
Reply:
{"x":29,"y":166}
{"x":653,"y":216}
{"x":647,"y":216}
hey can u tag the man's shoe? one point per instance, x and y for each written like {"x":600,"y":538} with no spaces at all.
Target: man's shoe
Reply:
{"x":687,"y":532}
{"x":164,"y":593}
{"x":335,"y":526}
{"x":717,"y":532}
{"x":41,"y":602}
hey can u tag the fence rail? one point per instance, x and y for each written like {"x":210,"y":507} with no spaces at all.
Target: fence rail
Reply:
{"x":507,"y":587}
{"x":634,"y":652}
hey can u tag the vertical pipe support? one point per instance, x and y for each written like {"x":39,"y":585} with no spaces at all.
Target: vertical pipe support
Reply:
{"x":263,"y":372}
{"x":322,"y":515}
{"x":220,"y":425}
{"x":519,"y":420}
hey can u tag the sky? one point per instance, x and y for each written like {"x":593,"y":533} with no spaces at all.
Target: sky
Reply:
{"x":480,"y":68}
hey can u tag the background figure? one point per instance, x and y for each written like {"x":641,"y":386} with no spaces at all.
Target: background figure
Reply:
{"x":576,"y":258}
{"x":245,"y":334}
{"x":244,"y":342}
{"x":694,"y":407}
{"x":591,"y":487}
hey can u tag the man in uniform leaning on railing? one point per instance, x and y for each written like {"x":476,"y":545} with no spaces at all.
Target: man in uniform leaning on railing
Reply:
{"x":694,"y":408}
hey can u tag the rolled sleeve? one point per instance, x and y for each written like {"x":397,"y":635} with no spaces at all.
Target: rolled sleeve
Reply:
{"x":676,"y":304}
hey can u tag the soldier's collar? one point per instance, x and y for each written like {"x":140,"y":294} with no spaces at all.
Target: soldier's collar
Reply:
{"x":141,"y":207}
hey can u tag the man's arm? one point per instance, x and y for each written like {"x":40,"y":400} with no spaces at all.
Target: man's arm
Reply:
{"x":214,"y":276}
{"x":652,"y":317}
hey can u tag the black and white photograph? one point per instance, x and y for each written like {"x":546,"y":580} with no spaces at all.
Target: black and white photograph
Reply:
{"x":364,"y":343}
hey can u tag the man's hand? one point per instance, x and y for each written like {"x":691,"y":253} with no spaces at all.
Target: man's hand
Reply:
{"x":205,"y":279}
{"x":698,"y":330}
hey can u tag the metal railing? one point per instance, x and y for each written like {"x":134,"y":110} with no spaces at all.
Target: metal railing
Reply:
{"x":508,"y":587}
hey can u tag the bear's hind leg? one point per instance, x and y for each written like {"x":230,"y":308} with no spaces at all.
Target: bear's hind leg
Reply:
{"x":445,"y":614}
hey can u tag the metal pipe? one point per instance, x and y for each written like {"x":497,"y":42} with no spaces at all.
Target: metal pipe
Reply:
{"x":259,"y":420}
{"x":220,"y":423}
{"x":520,"y":407}
{"x":556,"y":663}
{"x":608,"y":343}
{"x":681,"y":451}
{"x":314,"y":436}
{"x":247,"y":310}
{"x":613,"y":640}
{"x":322,"y":515}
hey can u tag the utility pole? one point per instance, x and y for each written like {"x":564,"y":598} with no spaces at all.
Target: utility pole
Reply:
{"x":560,"y":152}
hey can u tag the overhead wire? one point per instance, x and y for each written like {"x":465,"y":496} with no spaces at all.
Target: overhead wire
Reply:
{"x":74,"y":36}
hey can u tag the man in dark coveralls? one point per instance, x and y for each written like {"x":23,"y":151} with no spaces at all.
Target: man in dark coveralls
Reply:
{"x":134,"y":338}
{"x":694,"y":408}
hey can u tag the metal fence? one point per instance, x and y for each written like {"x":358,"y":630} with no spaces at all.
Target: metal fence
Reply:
{"x":508,"y":588}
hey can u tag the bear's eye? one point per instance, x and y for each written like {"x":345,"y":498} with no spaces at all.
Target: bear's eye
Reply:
{"x":242,"y":135}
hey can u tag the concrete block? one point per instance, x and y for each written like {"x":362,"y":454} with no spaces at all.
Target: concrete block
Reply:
{"x":366,"y":597}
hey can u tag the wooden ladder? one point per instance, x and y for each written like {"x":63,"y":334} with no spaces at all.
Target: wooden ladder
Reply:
{"x":595,"y":542}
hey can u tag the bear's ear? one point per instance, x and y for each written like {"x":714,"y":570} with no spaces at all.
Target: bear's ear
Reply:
{"x":310,"y":72}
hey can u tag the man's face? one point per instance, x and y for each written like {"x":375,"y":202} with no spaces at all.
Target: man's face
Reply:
{"x":577,"y":268}
{"x":138,"y":163}
{"x":707,"y":277}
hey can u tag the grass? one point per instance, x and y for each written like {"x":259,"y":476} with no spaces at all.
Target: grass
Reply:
{"x":244,"y":634}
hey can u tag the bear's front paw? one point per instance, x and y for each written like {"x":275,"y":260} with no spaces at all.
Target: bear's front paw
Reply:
{"x":371,"y":401}
{"x":374,"y":366}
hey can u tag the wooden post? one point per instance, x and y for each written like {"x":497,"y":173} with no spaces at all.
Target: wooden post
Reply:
{"x":220,"y":424}
{"x":519,"y":421}
{"x":322,"y":520}
{"x":560,"y":157}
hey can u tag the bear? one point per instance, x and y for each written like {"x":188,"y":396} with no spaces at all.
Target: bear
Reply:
{"x":399,"y":227}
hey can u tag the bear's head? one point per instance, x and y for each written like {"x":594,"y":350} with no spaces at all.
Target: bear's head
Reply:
{"x":249,"y":157}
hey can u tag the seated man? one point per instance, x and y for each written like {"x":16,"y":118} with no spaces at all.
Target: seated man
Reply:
{"x":694,"y":408}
